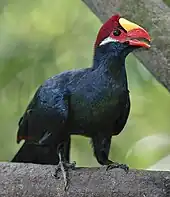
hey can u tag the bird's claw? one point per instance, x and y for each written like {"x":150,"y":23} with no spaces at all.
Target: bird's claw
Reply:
{"x":64,"y":167}
{"x":66,"y":185}
{"x":71,"y":166}
{"x":118,"y":165}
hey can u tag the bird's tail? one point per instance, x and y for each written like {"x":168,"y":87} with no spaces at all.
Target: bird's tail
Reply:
{"x":32,"y":153}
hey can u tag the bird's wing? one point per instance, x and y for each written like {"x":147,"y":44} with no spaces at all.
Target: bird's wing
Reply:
{"x":45,"y":114}
{"x":49,"y":106}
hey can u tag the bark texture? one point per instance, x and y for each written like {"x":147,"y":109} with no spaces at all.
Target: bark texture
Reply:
{"x":153,"y":15}
{"x":31,"y":180}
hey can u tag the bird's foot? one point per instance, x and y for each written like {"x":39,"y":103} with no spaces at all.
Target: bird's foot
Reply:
{"x":64,"y":167}
{"x":71,"y":166}
{"x":118,"y":165}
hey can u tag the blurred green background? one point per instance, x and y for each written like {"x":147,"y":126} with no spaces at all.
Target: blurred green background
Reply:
{"x":40,"y":38}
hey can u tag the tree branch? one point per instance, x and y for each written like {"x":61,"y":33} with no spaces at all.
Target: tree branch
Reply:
{"x":154,"y":15}
{"x":30,"y":180}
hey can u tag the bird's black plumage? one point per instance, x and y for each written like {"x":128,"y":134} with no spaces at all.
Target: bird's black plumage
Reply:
{"x":93,"y":102}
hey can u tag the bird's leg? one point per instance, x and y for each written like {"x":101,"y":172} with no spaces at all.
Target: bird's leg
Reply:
{"x":66,"y":155}
{"x":64,"y":150}
{"x":64,"y":172}
{"x":64,"y":165}
{"x":101,"y":146}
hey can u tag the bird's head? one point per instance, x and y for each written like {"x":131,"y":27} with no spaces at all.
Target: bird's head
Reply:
{"x":121,"y":34}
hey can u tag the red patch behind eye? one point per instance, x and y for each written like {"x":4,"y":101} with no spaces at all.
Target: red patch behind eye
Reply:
{"x":19,"y":138}
{"x":107,"y":28}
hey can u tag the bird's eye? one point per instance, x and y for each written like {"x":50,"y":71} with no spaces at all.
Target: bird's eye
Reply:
{"x":116,"y":32}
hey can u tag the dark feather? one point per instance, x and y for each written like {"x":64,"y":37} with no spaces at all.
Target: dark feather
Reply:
{"x":93,"y":102}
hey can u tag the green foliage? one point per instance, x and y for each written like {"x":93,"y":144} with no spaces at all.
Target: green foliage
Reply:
{"x":167,"y":2}
{"x":39,"y":39}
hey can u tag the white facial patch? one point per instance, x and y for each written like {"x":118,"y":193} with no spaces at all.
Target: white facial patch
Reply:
{"x":107,"y":40}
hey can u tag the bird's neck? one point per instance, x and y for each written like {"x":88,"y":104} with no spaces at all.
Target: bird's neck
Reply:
{"x":111,"y":62}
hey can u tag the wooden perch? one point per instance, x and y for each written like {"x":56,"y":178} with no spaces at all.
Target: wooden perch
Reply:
{"x":31,"y":180}
{"x":154,"y":15}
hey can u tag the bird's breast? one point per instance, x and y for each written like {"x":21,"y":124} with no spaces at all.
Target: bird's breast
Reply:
{"x":94,"y":106}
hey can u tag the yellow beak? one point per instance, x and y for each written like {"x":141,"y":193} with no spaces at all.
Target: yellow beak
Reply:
{"x":136,"y":35}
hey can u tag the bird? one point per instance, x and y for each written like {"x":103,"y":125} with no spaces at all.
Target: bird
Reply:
{"x":93,"y":102}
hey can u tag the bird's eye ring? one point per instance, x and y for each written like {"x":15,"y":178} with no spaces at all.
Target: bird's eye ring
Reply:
{"x":116,"y":32}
